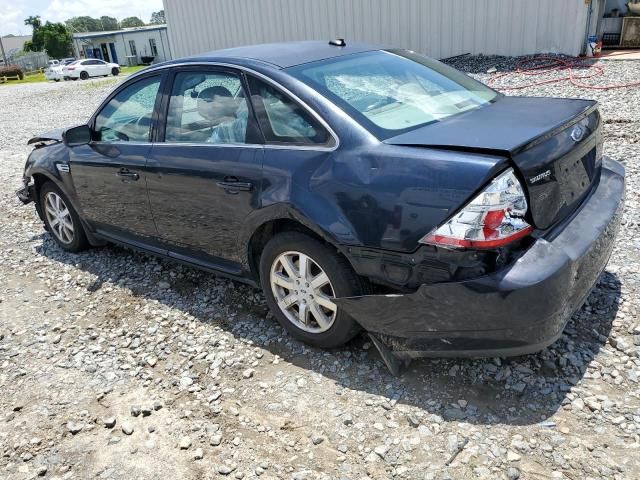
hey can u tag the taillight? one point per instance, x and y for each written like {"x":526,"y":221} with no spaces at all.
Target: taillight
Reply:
{"x":494,"y":218}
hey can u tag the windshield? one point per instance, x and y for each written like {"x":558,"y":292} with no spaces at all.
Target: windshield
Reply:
{"x":390,"y":92}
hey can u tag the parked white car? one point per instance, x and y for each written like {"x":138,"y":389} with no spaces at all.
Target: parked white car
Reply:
{"x":89,"y":67}
{"x":53,"y":72}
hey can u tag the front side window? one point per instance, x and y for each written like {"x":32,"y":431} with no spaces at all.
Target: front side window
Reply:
{"x":390,"y":92}
{"x":207,"y":107}
{"x":127,"y":116}
{"x":282,"y":120}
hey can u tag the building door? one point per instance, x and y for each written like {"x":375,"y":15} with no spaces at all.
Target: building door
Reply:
{"x":97,"y":53}
{"x":112,"y":49}
{"x":105,"y":52}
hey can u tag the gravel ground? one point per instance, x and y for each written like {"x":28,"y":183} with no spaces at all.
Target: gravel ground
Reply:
{"x":118,"y":365}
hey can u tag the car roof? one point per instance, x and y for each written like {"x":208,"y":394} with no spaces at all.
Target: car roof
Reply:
{"x":286,"y":54}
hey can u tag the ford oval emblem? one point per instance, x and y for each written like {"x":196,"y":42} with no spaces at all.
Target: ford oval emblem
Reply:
{"x":577,"y":133}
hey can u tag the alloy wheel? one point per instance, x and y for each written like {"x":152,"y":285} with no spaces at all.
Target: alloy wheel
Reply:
{"x":59,"y":217}
{"x":303,"y":292}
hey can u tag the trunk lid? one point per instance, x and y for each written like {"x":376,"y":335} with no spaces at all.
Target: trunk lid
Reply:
{"x":555,"y":144}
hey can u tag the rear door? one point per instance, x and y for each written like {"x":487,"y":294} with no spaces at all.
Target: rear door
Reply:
{"x":110,"y":173}
{"x":299,"y":147}
{"x":90,"y":67}
{"x":206,"y":168}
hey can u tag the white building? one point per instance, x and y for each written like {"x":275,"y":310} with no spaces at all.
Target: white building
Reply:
{"x":15,"y":43}
{"x":129,"y":46}
{"x":438,"y":28}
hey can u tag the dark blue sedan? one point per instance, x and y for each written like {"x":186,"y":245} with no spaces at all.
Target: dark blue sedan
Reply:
{"x":360,"y":187}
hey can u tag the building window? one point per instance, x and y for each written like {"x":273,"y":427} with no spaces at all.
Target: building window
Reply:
{"x":154,"y":48}
{"x":132,"y":47}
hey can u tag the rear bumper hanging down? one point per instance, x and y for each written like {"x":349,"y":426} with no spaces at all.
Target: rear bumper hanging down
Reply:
{"x":514,"y":311}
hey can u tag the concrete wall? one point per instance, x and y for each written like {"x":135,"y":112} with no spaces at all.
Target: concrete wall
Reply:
{"x":439,"y":28}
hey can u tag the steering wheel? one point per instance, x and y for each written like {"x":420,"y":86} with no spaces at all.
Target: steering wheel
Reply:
{"x":106,"y":132}
{"x":144,"y":121}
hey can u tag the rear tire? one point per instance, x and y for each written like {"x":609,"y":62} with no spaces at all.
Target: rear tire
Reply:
{"x":61,"y":219}
{"x":84,"y":75}
{"x":309,"y":315}
{"x":115,"y":71}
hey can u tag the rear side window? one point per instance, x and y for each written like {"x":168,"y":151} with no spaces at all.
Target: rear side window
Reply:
{"x":127,"y":116}
{"x":284,"y":121}
{"x":208,"y":107}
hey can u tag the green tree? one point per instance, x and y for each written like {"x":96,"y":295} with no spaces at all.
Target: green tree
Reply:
{"x":84,"y":24}
{"x":131,"y":22}
{"x":109,"y":23}
{"x":57,"y":40}
{"x":157,"y":18}
{"x":54,"y":38}
{"x":36,"y":43}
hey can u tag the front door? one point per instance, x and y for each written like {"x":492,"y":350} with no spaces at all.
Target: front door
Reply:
{"x":101,"y":68}
{"x":205,"y":176}
{"x":110,"y":173}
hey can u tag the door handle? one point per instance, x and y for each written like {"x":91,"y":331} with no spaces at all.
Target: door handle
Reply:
{"x":233,"y":185}
{"x":126,"y":175}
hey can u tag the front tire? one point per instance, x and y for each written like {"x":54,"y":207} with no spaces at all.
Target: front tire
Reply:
{"x":300,"y":276}
{"x":115,"y":71}
{"x":61,"y":219}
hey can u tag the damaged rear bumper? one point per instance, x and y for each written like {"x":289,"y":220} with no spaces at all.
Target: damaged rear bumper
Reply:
{"x":514,"y":311}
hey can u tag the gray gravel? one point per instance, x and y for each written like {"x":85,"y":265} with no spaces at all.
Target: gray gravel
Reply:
{"x":117,"y":365}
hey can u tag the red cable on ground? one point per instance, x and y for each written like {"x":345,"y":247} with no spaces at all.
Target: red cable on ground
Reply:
{"x":556,"y":64}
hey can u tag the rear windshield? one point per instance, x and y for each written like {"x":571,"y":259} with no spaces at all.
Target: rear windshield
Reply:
{"x":390,"y":92}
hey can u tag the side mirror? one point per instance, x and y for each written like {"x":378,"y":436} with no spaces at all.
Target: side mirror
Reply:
{"x":74,"y":136}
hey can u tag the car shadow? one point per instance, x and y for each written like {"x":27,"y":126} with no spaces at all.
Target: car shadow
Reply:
{"x":518,"y":391}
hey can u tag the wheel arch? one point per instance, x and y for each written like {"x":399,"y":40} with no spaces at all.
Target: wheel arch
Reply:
{"x":42,"y":176}
{"x":39,"y":179}
{"x":266,"y":230}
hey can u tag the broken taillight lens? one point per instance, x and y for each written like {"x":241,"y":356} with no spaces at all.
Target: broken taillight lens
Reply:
{"x":494,"y":218}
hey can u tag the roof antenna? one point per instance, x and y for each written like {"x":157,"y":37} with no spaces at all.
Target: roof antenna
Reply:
{"x":338,"y":42}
